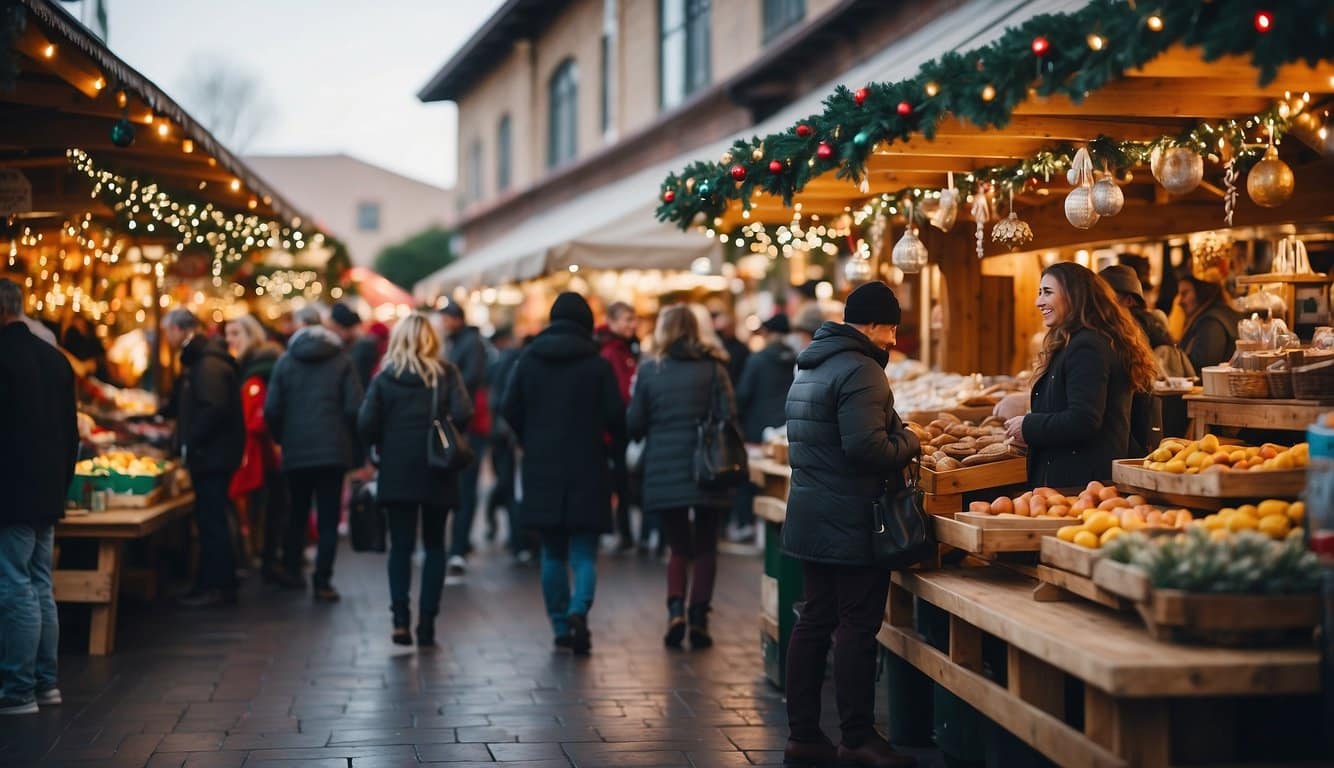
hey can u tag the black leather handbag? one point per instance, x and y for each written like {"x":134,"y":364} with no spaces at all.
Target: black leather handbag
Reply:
{"x":720,"y":451}
{"x":902,"y":535}
{"x":446,"y":447}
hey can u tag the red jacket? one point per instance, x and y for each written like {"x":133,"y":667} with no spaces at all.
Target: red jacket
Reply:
{"x":261,"y":455}
{"x":622,"y":356}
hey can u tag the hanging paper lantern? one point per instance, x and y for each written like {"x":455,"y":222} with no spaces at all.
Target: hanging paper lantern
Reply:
{"x":1270,"y":182}
{"x":909,"y":252}
{"x":857,"y":270}
{"x":1180,"y":171}
{"x":1079,"y":203}
{"x":1108,"y":199}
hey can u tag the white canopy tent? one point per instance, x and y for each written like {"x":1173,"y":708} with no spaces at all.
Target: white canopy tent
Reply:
{"x":614,"y":227}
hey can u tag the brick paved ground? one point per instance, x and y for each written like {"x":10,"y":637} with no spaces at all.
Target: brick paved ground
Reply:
{"x":285,"y":683}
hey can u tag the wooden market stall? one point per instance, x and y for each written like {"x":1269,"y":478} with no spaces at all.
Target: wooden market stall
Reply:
{"x":1172,"y":121}
{"x":114,"y":206}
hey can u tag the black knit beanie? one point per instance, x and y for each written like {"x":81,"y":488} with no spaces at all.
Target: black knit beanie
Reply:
{"x":872,"y":302}
{"x":571,"y":307}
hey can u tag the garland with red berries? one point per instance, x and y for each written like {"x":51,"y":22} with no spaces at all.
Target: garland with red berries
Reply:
{"x":1070,"y":54}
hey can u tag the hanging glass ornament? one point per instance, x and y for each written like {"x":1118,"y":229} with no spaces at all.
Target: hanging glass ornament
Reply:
{"x":1108,"y":199}
{"x":1079,"y":203}
{"x":1180,"y":170}
{"x":948,"y":210}
{"x":857,"y":270}
{"x":981,"y":214}
{"x":875,"y":234}
{"x":1270,"y":182}
{"x":1011,"y":231}
{"x":909,"y":252}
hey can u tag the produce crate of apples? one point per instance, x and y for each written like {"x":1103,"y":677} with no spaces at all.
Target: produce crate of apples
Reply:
{"x":950,"y":443}
{"x":1101,"y":511}
{"x":1191,"y":457}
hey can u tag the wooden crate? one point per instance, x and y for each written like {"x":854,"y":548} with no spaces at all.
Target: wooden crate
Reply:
{"x":1069,"y":557}
{"x":134,"y":500}
{"x":997,"y":474}
{"x":1120,"y":579}
{"x":991,"y":534}
{"x":1209,"y":490}
{"x":1067,"y":569}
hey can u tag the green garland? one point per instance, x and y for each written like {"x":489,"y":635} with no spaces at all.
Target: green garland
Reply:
{"x":956,"y":84}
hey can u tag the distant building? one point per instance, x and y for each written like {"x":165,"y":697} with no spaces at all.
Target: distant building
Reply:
{"x":365,"y":206}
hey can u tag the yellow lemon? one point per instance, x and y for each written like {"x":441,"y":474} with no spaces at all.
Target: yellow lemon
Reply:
{"x":1242,"y":521}
{"x":1271,"y":507}
{"x":1175,"y":466}
{"x":1209,"y":443}
{"x":1215,"y":522}
{"x":1068,"y":532}
{"x":1100,"y":521}
{"x":1274,"y":526}
{"x":1108,"y":535}
{"x":1086,"y":539}
{"x":1297,"y":511}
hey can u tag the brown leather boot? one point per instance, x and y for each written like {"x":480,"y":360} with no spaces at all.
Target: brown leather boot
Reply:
{"x":810,"y":754}
{"x":875,"y":752}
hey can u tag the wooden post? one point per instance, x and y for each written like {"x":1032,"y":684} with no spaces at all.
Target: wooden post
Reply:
{"x":1036,"y":682}
{"x":102,"y":628}
{"x":1135,"y":730}
{"x":965,"y":644}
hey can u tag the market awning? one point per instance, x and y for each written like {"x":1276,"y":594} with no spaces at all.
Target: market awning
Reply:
{"x":589,"y":231}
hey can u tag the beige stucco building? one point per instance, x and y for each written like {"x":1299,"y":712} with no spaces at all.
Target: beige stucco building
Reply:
{"x":365,"y":206}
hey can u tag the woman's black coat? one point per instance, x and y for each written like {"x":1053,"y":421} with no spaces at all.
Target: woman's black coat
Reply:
{"x":1080,"y":420}
{"x":395,"y":418}
{"x":566,"y":412}
{"x":762,"y":393}
{"x":671,"y":396}
{"x":1211,"y":337}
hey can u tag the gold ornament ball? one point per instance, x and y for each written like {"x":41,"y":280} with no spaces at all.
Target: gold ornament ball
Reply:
{"x":726,"y":159}
{"x":989,"y":93}
{"x":757,"y":154}
{"x":1270,"y":182}
{"x":1181,"y":170}
{"x":1079,"y":207}
{"x":1108,"y":199}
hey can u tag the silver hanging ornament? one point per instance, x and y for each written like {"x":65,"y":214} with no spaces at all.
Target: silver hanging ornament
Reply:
{"x":857,"y":270}
{"x":1108,"y":199}
{"x":1079,"y":203}
{"x":1011,"y":231}
{"x":1180,"y":170}
{"x":948,"y":210}
{"x":981,"y":214}
{"x":909,"y":252}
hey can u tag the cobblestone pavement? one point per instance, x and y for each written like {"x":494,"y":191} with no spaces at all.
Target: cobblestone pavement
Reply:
{"x":282,"y":682}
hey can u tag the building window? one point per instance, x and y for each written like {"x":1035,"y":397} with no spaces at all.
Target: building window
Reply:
{"x":683,"y":63}
{"x":368,"y":216}
{"x":563,"y":116}
{"x":475,"y":171}
{"x":503,"y":154}
{"x":779,"y":15}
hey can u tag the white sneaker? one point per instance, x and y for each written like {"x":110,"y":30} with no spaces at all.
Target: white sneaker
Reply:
{"x":456,"y":572}
{"x":49,"y":698}
{"x":26,"y":708}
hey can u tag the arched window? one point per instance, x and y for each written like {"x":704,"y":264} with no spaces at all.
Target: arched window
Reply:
{"x":503,"y":154}
{"x":562,"y":114}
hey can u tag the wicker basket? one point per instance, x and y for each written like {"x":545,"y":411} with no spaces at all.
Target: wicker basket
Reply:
{"x":1314,"y":382}
{"x":1280,"y":380}
{"x":1249,"y":384}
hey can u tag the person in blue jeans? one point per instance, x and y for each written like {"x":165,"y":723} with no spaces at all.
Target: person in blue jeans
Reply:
{"x":39,"y":442}
{"x":567,"y":415}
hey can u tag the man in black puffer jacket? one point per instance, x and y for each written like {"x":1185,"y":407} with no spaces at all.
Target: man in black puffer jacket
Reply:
{"x":314,"y":396}
{"x":210,"y":429}
{"x":846,"y":444}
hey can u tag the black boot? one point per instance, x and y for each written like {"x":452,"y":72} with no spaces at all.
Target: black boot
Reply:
{"x":699,"y":626}
{"x":426,"y":631}
{"x":676,"y":623}
{"x":581,"y":640}
{"x":402,"y":621}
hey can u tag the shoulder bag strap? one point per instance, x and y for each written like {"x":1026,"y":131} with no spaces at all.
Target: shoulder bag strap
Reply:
{"x":435,"y":398}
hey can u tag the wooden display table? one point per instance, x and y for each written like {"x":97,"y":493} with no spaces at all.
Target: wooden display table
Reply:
{"x":1134,"y":686}
{"x":1208,"y":411}
{"x":101,"y":587}
{"x":781,"y":583}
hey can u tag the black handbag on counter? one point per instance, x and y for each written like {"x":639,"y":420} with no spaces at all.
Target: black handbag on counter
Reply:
{"x":720,"y":452}
{"x":902,"y":535}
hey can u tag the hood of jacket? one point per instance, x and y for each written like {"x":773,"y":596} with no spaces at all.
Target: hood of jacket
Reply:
{"x":260,"y":360}
{"x":314,"y":343}
{"x":836,"y":338}
{"x":605,"y":338}
{"x":782,"y":352}
{"x":563,"y":340}
{"x":681,"y":349}
{"x":202,"y":346}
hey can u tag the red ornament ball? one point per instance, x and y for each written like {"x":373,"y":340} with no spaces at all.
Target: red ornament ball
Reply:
{"x":824,"y":151}
{"x":1264,"y":21}
{"x":860,"y":95}
{"x":775,"y":166}
{"x":803,"y":130}
{"x":668,"y":196}
{"x":904,"y":109}
{"x":738,"y":172}
{"x":1041,"y":45}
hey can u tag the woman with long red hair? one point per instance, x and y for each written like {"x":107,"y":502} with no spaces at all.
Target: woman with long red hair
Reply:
{"x":1093,"y":359}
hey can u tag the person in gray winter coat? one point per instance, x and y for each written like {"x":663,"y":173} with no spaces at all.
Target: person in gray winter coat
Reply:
{"x":672,"y":394}
{"x":311,"y":410}
{"x":847,"y":445}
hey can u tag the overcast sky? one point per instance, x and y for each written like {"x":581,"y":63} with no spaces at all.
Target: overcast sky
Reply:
{"x":340,"y":75}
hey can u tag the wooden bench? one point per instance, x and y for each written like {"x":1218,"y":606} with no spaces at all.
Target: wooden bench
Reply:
{"x":1132,"y":683}
{"x":101,"y":587}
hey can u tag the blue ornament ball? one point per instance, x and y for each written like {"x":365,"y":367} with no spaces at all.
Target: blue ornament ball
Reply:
{"x":122,"y":133}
